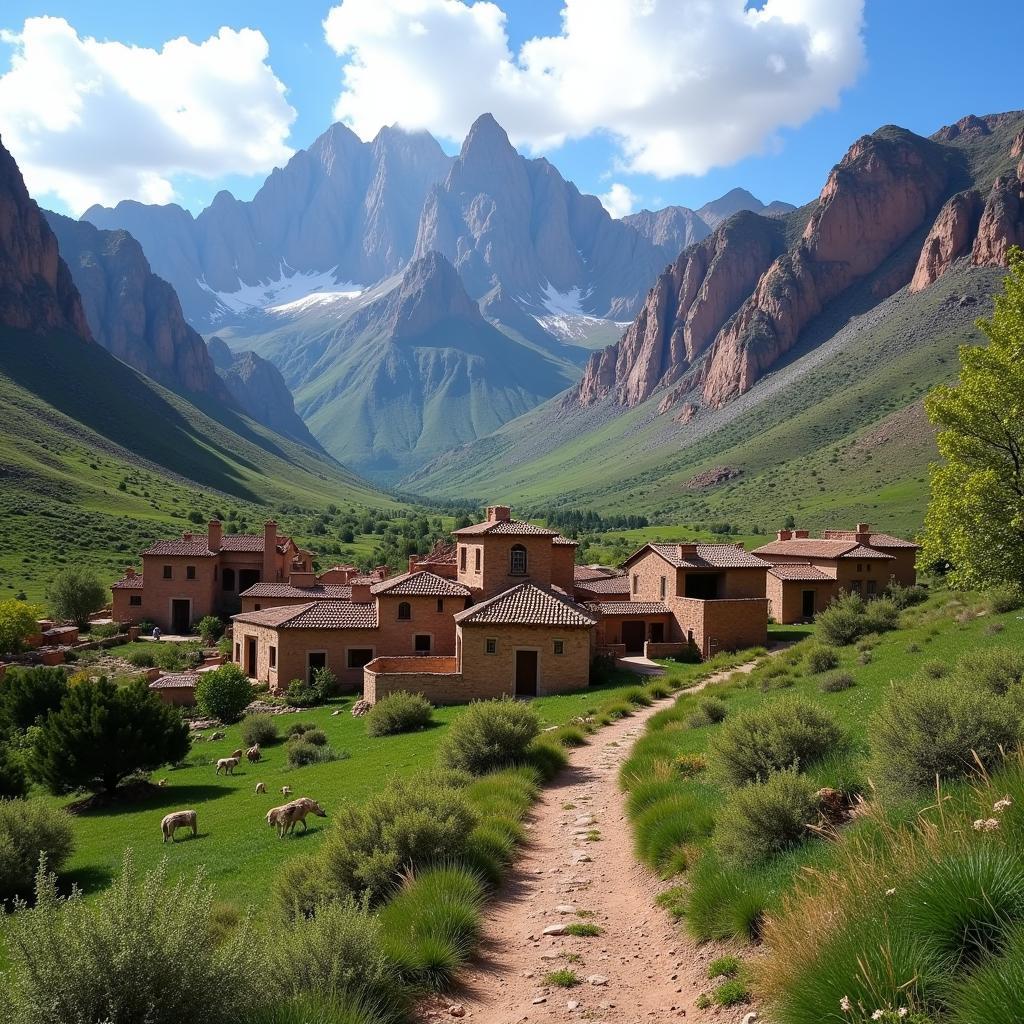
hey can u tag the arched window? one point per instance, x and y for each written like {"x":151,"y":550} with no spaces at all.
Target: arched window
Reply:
{"x":517,"y":560}
{"x":405,"y":610}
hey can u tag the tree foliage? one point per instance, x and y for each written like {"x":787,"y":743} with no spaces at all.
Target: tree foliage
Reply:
{"x":17,"y":621}
{"x":75,"y":594}
{"x":224,"y":693}
{"x":103,"y":733}
{"x":975,"y":521}
{"x":30,"y":694}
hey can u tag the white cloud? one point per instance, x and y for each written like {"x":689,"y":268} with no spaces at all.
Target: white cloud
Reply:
{"x":620,"y":200}
{"x":94,"y":121}
{"x":681,"y":85}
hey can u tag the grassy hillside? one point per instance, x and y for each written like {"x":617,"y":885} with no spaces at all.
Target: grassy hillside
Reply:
{"x":97,"y":460}
{"x":835,"y":434}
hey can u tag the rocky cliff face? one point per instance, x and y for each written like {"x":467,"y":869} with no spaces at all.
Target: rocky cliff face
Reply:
{"x":504,"y":221}
{"x":671,"y":229}
{"x":36,"y":289}
{"x":258,"y":387}
{"x":341,"y":211}
{"x":133,"y":313}
{"x":735,"y":201}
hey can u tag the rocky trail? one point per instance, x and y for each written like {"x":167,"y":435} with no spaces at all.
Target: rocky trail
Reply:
{"x":578,"y":866}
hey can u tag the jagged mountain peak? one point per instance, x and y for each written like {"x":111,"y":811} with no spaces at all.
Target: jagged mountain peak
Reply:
{"x":430,"y":293}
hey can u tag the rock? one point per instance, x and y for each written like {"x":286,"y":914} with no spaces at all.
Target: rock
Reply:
{"x":540,"y":999}
{"x":1002,"y":223}
{"x":554,"y":929}
{"x":457,"y":1010}
{"x":950,"y":237}
{"x":671,"y":229}
{"x":750,"y":1018}
{"x":597,"y":979}
{"x":572,"y":1004}
{"x":360,"y":708}
{"x":584,"y":820}
{"x":565,"y":908}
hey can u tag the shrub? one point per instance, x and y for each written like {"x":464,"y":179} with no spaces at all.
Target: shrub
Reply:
{"x":326,"y":683}
{"x":1005,"y":599}
{"x":74,"y":594}
{"x":729,"y":993}
{"x":842,"y":621}
{"x":102,"y":733}
{"x":143,"y":950}
{"x":638,"y":696}
{"x":490,"y":735}
{"x":303,"y":694}
{"x":104,"y":631}
{"x":791,"y":733}
{"x":762,"y":819}
{"x":28,"y":829}
{"x":997,"y":669}
{"x":881,"y":615}
{"x":28,"y":695}
{"x":399,"y":712}
{"x":710,"y":711}
{"x":13,"y":777}
{"x":724,"y":967}
{"x":658,"y":689}
{"x":613,"y":711}
{"x":834,"y":682}
{"x":921,"y":732}
{"x":568,"y":736}
{"x":311,"y":1009}
{"x":548,"y":756}
{"x":210,"y":628}
{"x":297,"y":728}
{"x":582,"y":930}
{"x":302,"y":753}
{"x":666,"y":825}
{"x":690,"y":765}
{"x":261,"y":729}
{"x":317,"y":737}
{"x":407,"y":825}
{"x":224,"y":693}
{"x":935,"y":669}
{"x":905,"y":597}
{"x":143,"y":656}
{"x":17,"y":623}
{"x":562,"y":978}
{"x":821,"y":658}
{"x":430,"y":926}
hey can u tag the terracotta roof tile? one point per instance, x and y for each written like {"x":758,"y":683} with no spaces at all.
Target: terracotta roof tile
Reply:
{"x":319,"y":592}
{"x":420,"y":584}
{"x":589,"y":572}
{"x":630,"y":608}
{"x":806,"y":548}
{"x":799,"y":571}
{"x":568,"y":541}
{"x":527,"y":605}
{"x":859,"y":551}
{"x":605,"y":585}
{"x":195,"y":548}
{"x":506,"y":527}
{"x":440,"y":552}
{"x":175,"y":681}
{"x":128,"y":583}
{"x":706,"y":556}
{"x":875,"y":540}
{"x":315,"y":615}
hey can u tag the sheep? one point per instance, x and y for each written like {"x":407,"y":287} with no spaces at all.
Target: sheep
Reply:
{"x":238,"y":754}
{"x":176,"y":820}
{"x":253,"y":754}
{"x":286,"y":791}
{"x":261,"y":787}
{"x":297,"y":810}
{"x":229,"y":764}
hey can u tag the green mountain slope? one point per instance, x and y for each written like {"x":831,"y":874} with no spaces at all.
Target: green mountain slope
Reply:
{"x":96,"y":460}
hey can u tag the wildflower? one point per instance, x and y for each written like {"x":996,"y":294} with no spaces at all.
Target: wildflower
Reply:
{"x":902,"y":1011}
{"x":890,"y":892}
{"x":877,"y":1015}
{"x":986,"y":825}
{"x":1000,"y":805}
{"x":844,"y":1004}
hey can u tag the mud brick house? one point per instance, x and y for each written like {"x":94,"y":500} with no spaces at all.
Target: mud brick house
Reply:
{"x":602,"y":589}
{"x":710,"y":596}
{"x":203,"y":574}
{"x":808,"y":572}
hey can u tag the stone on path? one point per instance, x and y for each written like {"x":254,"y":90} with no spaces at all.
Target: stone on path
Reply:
{"x":457,"y":1010}
{"x":597,"y":979}
{"x":565,"y":908}
{"x":554,"y":929}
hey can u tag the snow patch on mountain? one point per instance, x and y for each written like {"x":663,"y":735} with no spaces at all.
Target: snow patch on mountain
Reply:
{"x":289,"y":286}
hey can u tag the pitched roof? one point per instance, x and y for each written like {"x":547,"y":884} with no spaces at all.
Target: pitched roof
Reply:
{"x":806,"y":547}
{"x":630,"y":608}
{"x":591,"y":572}
{"x":860,"y":551}
{"x":442,"y":551}
{"x":420,"y":584}
{"x":527,"y":605}
{"x":605,"y":585}
{"x":799,"y":571}
{"x":875,"y":540}
{"x":315,"y":615}
{"x":706,"y":556}
{"x":128,"y":583}
{"x":198,"y":545}
{"x":175,"y":681}
{"x":195,"y":548}
{"x":566,"y":540}
{"x":317,"y":592}
{"x":505,"y":527}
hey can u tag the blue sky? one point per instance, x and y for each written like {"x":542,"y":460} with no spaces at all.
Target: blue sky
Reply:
{"x":925,"y":64}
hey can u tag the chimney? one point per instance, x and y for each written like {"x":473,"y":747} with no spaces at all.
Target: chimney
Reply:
{"x":784,"y":535}
{"x":270,"y":570}
{"x":186,"y":536}
{"x":498,"y":513}
{"x":361,"y":593}
{"x":129,"y":573}
{"x":381,"y":572}
{"x":801,"y":534}
{"x":686,"y":550}
{"x":214,"y":535}
{"x":863,"y":534}
{"x":413,"y":563}
{"x":302,"y":579}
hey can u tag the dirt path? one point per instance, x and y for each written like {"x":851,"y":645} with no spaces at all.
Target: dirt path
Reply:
{"x":641,"y":968}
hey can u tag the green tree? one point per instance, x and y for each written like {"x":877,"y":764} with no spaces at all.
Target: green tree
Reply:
{"x":103,"y":733}
{"x":210,"y":628}
{"x":75,"y":594}
{"x":975,"y":520}
{"x":17,"y":621}
{"x":30,"y":694}
{"x":224,"y":693}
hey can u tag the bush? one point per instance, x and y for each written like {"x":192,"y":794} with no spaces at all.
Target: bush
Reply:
{"x":1005,"y":599}
{"x":710,"y":711}
{"x":821,"y":659}
{"x":921,"y":732}
{"x":315,"y":736}
{"x":834,"y":682}
{"x":842,"y":621}
{"x":997,"y":669}
{"x":905,"y":597}
{"x":74,"y":594}
{"x":935,"y":669}
{"x":638,"y":696}
{"x":28,"y":695}
{"x":548,"y":756}
{"x":13,"y":777}
{"x":224,"y":693}
{"x":17,"y":623}
{"x":105,"y":630}
{"x":310,"y":1009}
{"x":210,"y":628}
{"x":261,"y":729}
{"x":171,"y":657}
{"x":881,"y":615}
{"x":102,"y":733}
{"x":490,"y":735}
{"x":326,"y":683}
{"x":297,"y":728}
{"x":407,"y":825}
{"x":762,"y":819}
{"x":663,"y":827}
{"x":143,"y":950}
{"x":791,"y":733}
{"x":28,"y":829}
{"x":399,"y":712}
{"x":303,"y":694}
{"x":301,"y":753}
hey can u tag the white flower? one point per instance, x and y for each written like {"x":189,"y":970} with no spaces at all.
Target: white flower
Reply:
{"x":890,"y":892}
{"x":902,"y":1011}
{"x":844,"y":1004}
{"x":877,"y":1015}
{"x":1000,"y":805}
{"x":986,"y":825}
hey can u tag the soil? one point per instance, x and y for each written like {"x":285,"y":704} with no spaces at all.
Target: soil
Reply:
{"x":641,"y":968}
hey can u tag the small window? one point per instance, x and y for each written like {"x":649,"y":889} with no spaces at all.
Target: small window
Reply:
{"x":405,"y":611}
{"x":462,"y":559}
{"x":872,"y":587}
{"x":359,"y":656}
{"x":421,"y":643}
{"x":168,"y":572}
{"x":478,"y":558}
{"x":491,"y":645}
{"x":868,"y":569}
{"x":636,"y":584}
{"x":273,"y":657}
{"x":517,"y":560}
{"x":860,"y":567}
{"x":662,"y":586}
{"x":559,"y":646}
{"x":440,"y":604}
{"x":190,"y":572}
{"x":135,"y":600}
{"x":256,"y":607}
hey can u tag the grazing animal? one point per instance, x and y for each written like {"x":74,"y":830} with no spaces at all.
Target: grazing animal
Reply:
{"x":176,"y":820}
{"x":298,"y":810}
{"x":261,"y":787}
{"x":253,"y":754}
{"x":238,"y":753}
{"x":286,"y":791}
{"x":162,"y":782}
{"x":275,"y":816}
{"x":229,"y":764}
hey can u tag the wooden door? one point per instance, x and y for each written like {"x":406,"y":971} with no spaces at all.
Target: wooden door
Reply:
{"x":526,"y":673}
{"x":633,"y":635}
